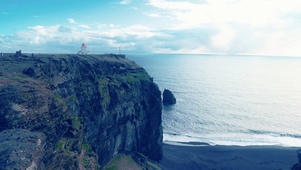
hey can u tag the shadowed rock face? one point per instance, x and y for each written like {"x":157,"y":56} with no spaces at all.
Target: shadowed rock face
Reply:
{"x":87,"y":108}
{"x":297,"y":166}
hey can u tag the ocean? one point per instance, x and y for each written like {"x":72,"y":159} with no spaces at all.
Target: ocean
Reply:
{"x":229,"y":100}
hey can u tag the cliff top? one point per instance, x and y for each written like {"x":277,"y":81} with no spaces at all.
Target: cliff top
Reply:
{"x":23,"y":58}
{"x":23,"y":67}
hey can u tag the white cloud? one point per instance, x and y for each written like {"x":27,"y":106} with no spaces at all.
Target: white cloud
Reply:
{"x":72,"y":21}
{"x":124,"y":2}
{"x":137,"y":31}
{"x":251,"y":12}
{"x":67,"y":39}
{"x":281,"y":43}
{"x":224,"y":37}
{"x":153,"y":14}
{"x":84,"y":26}
{"x":41,"y":34}
{"x":268,"y":27}
{"x":173,"y":5}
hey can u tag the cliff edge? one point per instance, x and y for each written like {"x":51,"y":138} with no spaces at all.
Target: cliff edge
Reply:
{"x":75,"y":112}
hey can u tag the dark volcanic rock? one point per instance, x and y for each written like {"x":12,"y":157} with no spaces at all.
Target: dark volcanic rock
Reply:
{"x":89,"y":108}
{"x":21,"y":149}
{"x":29,"y":71}
{"x":168,"y":97}
{"x":297,"y":166}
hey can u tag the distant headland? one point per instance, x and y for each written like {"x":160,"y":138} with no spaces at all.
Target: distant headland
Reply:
{"x":83,"y":51}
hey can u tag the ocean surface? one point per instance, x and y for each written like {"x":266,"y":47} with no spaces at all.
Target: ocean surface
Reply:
{"x":229,"y":100}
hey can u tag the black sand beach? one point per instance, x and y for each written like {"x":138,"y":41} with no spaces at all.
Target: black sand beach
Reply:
{"x":180,"y":157}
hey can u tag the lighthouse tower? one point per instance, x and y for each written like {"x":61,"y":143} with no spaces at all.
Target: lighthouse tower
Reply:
{"x":83,"y":49}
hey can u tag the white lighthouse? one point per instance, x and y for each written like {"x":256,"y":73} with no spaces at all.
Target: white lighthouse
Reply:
{"x":83,"y":49}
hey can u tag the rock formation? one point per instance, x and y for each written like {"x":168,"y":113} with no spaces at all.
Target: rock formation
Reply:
{"x":168,"y":97}
{"x":297,"y":166}
{"x":73,"y":112}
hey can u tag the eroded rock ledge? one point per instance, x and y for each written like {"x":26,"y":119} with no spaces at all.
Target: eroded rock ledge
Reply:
{"x":82,"y":109}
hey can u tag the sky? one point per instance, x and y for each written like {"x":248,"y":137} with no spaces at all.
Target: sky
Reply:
{"x":242,"y":27}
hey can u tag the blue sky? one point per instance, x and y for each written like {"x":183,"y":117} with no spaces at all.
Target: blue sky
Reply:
{"x":253,"y":27}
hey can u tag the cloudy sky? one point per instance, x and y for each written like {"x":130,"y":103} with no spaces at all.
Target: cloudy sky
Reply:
{"x":255,"y":27}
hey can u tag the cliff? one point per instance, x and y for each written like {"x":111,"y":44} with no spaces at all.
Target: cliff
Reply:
{"x":75,"y":112}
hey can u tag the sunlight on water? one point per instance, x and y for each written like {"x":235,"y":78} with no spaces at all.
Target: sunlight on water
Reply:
{"x":239,"y":100}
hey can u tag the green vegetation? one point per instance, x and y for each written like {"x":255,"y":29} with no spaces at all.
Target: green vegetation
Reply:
{"x":131,"y":79}
{"x":104,"y":90}
{"x":77,"y":122}
{"x":60,"y":144}
{"x":58,"y":97}
{"x":87,"y":147}
{"x":122,"y":161}
{"x":60,"y":100}
{"x":141,"y":76}
{"x":19,"y":79}
{"x":150,"y":164}
{"x":89,"y":158}
{"x":153,"y":165}
{"x":71,"y":148}
{"x":86,"y":163}
{"x":136,"y":77}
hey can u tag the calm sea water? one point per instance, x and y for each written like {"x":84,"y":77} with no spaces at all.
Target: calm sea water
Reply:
{"x":229,"y":100}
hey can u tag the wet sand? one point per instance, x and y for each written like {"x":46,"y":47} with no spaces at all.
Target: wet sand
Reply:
{"x":202,"y":156}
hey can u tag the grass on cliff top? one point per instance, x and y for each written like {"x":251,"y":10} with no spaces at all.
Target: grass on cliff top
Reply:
{"x":132,"y":78}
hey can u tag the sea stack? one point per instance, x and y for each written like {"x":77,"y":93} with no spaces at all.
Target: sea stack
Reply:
{"x":168,"y":97}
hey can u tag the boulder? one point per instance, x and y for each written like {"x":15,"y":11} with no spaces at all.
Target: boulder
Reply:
{"x":29,"y":71}
{"x":168,"y":97}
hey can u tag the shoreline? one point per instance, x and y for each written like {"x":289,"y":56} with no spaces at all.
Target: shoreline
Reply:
{"x":187,"y":155}
{"x":196,"y":143}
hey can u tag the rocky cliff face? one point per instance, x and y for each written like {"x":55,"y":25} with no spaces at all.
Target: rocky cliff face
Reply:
{"x":75,"y":112}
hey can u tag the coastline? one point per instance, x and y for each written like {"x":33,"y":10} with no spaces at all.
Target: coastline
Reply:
{"x":178,"y":156}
